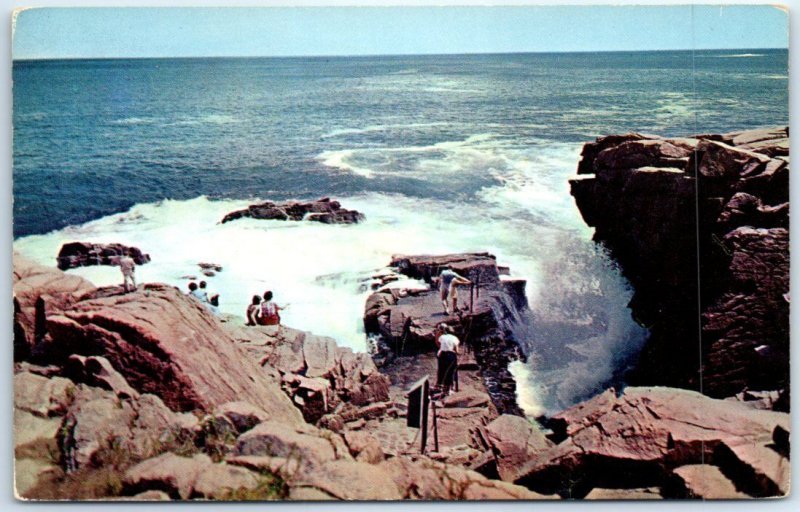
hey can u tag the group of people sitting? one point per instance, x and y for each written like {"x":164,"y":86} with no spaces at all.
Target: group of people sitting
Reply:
{"x":201,"y":293}
{"x":264,"y":313}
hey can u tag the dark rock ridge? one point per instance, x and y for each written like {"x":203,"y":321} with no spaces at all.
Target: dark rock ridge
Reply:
{"x":700,"y":228}
{"x":405,"y":318}
{"x":323,"y":210}
{"x":84,"y":254}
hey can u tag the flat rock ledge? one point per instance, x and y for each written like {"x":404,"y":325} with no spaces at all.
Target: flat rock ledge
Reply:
{"x":322,"y":210}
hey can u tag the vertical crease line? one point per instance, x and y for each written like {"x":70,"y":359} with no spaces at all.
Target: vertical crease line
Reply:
{"x":697,"y":230}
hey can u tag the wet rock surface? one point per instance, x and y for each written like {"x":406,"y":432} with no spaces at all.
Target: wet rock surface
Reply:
{"x":84,"y":254}
{"x":323,"y":210}
{"x":699,"y":226}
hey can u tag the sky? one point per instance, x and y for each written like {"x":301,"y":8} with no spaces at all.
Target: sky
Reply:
{"x":49,"y":33}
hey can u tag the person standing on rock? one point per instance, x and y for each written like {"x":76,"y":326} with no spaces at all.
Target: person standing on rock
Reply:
{"x":447,"y":358}
{"x":448,"y":288}
{"x":128,"y":268}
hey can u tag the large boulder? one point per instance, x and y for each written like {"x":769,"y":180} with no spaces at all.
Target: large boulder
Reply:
{"x":185,"y":478}
{"x":514,"y":441}
{"x":637,"y":438}
{"x":305,"y":443}
{"x":429,"y":480}
{"x":164,"y":343}
{"x":346,"y":480}
{"x":99,"y":425}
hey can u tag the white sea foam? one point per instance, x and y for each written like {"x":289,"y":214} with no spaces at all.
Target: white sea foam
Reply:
{"x":476,"y":151}
{"x":381,"y":128}
{"x":740,"y":55}
{"x":336,"y":159}
{"x":134,"y":121}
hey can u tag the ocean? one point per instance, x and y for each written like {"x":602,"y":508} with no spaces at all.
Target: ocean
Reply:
{"x":442,"y":153}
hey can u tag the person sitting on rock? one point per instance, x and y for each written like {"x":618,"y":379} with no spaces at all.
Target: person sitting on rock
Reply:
{"x":202,"y":292}
{"x":212,"y":301}
{"x":193,"y":290}
{"x":448,"y":288}
{"x":253,"y":311}
{"x":269,"y":311}
{"x":447,"y":357}
{"x":128,"y":268}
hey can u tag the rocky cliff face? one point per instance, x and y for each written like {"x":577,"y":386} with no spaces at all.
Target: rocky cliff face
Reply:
{"x":700,"y":228}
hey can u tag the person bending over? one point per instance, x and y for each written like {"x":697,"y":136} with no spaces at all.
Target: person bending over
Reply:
{"x":448,"y":288}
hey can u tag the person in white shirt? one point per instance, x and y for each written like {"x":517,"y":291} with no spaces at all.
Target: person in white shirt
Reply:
{"x":128,"y":268}
{"x":447,"y":357}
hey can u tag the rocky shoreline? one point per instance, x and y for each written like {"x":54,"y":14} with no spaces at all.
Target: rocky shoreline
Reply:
{"x":700,"y":227}
{"x":148,"y":396}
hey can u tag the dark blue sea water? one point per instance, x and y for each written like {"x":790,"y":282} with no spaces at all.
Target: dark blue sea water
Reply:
{"x":94,"y":137}
{"x":442,"y":154}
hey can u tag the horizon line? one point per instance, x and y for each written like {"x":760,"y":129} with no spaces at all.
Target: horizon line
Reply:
{"x":321,"y":56}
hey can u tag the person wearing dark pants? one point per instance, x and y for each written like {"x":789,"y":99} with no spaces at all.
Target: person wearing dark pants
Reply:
{"x":447,"y":357}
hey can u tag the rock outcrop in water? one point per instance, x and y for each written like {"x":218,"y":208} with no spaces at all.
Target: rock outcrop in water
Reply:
{"x":700,"y":228}
{"x":84,"y":254}
{"x":322,"y":210}
{"x":405,"y":318}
